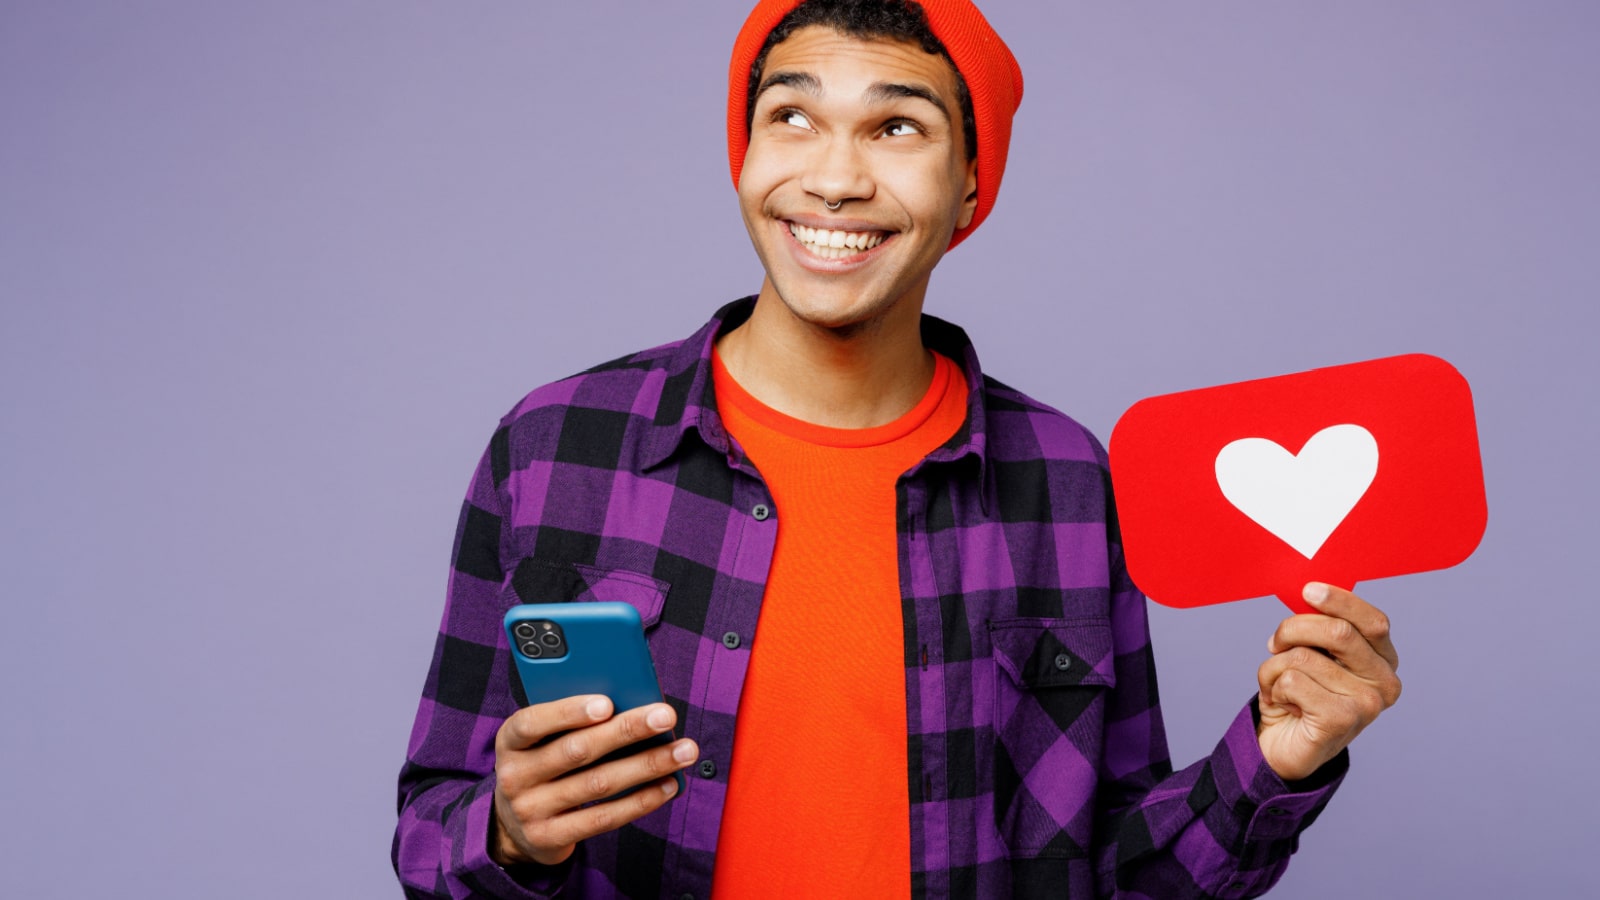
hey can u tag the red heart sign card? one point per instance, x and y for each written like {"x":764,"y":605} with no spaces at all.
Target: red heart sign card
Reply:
{"x":1338,"y":475}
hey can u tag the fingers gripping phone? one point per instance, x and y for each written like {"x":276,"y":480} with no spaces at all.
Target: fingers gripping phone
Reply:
{"x":565,"y":649}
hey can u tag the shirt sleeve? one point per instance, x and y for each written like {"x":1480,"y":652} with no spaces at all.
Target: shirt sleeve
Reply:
{"x":446,"y":789}
{"x":1225,"y":826}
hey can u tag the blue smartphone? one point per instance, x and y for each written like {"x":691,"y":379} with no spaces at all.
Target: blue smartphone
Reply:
{"x":565,"y":649}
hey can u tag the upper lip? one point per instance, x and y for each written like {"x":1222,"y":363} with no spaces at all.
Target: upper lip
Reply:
{"x":857,"y":226}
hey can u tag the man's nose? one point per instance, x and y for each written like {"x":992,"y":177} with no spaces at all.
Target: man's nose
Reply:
{"x":839,"y":171}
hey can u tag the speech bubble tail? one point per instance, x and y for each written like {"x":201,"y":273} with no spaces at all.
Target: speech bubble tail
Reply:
{"x":1297,"y":604}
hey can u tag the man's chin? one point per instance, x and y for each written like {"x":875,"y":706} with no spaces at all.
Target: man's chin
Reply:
{"x":841,"y":318}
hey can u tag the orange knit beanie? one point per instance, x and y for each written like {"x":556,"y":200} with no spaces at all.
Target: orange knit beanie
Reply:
{"x":993,"y":79}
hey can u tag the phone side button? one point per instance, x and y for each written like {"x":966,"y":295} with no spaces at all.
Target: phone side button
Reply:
{"x":708,"y":769}
{"x":731,"y":640}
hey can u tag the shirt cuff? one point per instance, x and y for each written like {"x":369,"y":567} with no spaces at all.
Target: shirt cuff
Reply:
{"x":530,"y":881}
{"x":1273,"y":810}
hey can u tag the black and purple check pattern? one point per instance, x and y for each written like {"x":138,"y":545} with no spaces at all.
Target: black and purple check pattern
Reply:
{"x":1038,"y":763}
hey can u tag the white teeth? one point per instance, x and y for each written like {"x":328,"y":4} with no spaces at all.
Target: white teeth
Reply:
{"x":835,"y":244}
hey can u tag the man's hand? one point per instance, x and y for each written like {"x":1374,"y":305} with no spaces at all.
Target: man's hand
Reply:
{"x":536,"y":800}
{"x":1329,"y":676}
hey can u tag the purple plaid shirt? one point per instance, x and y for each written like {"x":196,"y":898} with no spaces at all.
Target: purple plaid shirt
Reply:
{"x":1038,"y":761}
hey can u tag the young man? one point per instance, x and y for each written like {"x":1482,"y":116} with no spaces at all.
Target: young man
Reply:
{"x":888,"y":613}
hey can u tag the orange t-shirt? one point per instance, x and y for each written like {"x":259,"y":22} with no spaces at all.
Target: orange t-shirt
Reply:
{"x":817,"y":801}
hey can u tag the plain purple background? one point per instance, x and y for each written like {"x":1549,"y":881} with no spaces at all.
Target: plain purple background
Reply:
{"x":271,"y":272}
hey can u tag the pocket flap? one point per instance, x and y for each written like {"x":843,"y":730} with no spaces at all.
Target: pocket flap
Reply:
{"x":1055,"y":652}
{"x":642,"y":592}
{"x":540,"y":581}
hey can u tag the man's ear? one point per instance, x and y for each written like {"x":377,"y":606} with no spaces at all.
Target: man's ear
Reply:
{"x":969,"y":201}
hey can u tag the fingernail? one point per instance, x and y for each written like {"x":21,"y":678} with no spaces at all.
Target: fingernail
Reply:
{"x":1315,"y":593}
{"x":684,"y":752}
{"x":658,"y":718}
{"x":669,"y":788}
{"x":598,"y":708}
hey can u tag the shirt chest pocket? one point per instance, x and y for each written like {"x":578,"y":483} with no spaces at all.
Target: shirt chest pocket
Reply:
{"x":1051,"y":682}
{"x":542,"y":581}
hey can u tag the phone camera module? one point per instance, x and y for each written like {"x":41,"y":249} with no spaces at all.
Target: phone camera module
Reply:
{"x":539,"y":639}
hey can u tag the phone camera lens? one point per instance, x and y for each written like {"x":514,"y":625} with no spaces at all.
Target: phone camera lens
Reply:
{"x":551,"y":639}
{"x":532,"y":648}
{"x":525,"y":630}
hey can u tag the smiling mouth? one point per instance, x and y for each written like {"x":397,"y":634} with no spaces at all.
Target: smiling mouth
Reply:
{"x":827,"y":244}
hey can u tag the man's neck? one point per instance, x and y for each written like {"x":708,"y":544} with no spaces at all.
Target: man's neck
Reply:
{"x":858,"y":377}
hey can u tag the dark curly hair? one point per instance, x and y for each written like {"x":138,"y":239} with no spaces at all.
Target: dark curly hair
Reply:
{"x":891,"y":20}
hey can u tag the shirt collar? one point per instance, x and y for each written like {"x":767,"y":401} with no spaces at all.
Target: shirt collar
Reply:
{"x":688,"y":403}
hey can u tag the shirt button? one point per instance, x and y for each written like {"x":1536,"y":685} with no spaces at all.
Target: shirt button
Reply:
{"x":1063,"y":661}
{"x":762,"y":512}
{"x":1277,"y":811}
{"x":708,"y":769}
{"x":731,"y":640}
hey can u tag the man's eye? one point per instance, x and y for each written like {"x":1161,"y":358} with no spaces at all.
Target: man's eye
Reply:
{"x":792,"y":117}
{"x":901,"y":128}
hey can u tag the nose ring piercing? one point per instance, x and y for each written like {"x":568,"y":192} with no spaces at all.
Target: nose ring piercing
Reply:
{"x":834,"y":205}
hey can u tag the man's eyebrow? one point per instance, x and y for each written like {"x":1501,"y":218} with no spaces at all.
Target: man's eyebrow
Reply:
{"x":885,"y":91}
{"x":879,"y":92}
{"x":800,"y":81}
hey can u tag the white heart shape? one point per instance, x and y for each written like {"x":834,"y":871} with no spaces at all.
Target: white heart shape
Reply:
{"x":1300,"y":499}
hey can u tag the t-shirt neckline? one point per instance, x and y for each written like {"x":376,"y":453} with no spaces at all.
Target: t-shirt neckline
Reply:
{"x":731,"y":392}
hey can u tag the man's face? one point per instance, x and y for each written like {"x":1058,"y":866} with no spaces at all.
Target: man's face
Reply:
{"x":877,"y":125}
